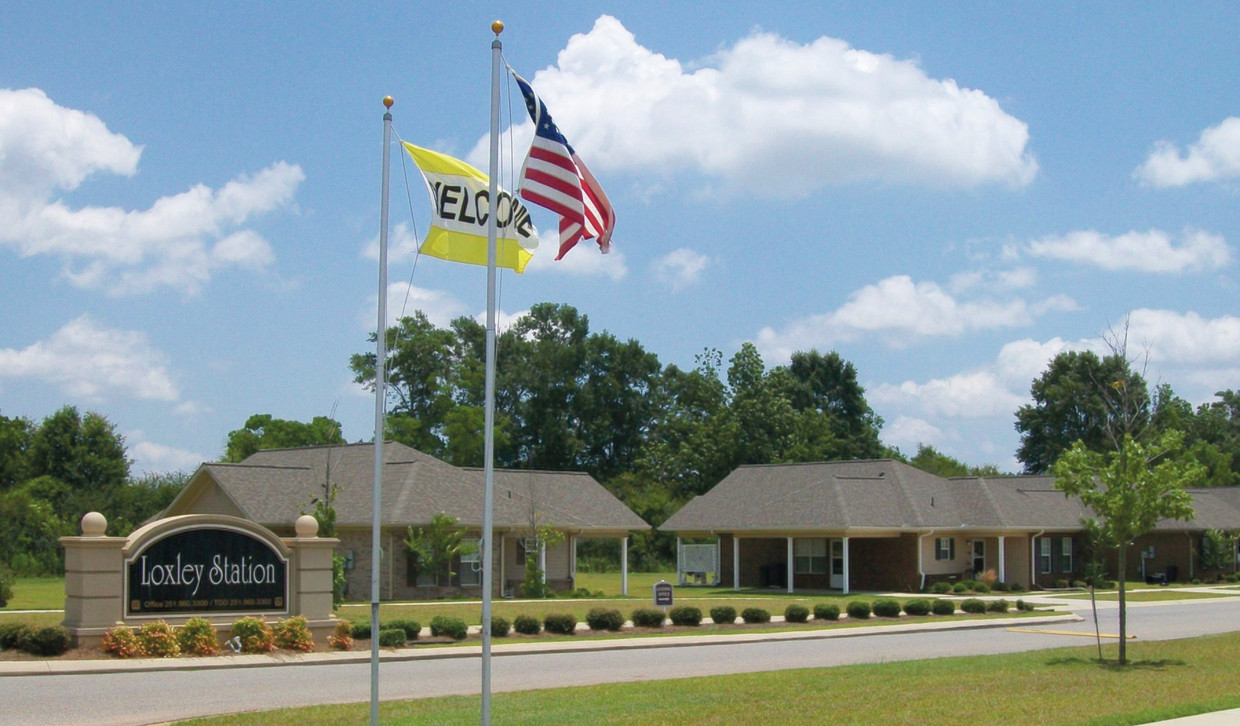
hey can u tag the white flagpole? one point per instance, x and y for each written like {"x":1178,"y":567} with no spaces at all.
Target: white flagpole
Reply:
{"x":376,"y":559}
{"x":489,"y":416}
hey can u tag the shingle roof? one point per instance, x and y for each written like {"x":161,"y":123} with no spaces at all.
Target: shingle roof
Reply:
{"x":274,"y":487}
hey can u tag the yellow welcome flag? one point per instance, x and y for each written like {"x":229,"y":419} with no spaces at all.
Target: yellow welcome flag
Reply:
{"x":460,"y":206}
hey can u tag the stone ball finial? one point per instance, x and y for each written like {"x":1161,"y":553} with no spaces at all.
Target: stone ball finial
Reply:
{"x":94,"y":524}
{"x":306,"y":526}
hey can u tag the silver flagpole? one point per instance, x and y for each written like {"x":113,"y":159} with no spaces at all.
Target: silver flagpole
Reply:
{"x":489,"y":416}
{"x":376,"y":559}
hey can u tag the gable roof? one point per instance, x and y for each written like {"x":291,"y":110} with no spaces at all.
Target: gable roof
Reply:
{"x":276,"y":486}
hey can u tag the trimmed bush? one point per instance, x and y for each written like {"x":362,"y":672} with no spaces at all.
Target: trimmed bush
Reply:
{"x":342,"y":636}
{"x":560,"y":623}
{"x":960,"y":588}
{"x":685,"y":615}
{"x":500,"y":627}
{"x":918,"y":606}
{"x":943,"y":607}
{"x":1000,"y":587}
{"x":360,"y":631}
{"x":605,"y":619}
{"x":647,"y":618}
{"x":826,"y":611}
{"x":158,"y":641}
{"x":886,"y":608}
{"x":942,"y":587}
{"x":392,"y":638}
{"x":122,"y":643}
{"x":527,"y":625}
{"x":449,"y":626}
{"x":723,"y":615}
{"x":50,"y":641}
{"x":973,"y":606}
{"x":1015,"y":587}
{"x":981,"y":588}
{"x":796,"y":613}
{"x":858,"y":610}
{"x":997,"y":606}
{"x":1025,"y":606}
{"x":969,"y":585}
{"x":255,"y":635}
{"x":1061,"y":584}
{"x":582,"y":593}
{"x":10,"y":633}
{"x":294,"y":634}
{"x":755,"y":615}
{"x":198,"y":637}
{"x":412,"y":628}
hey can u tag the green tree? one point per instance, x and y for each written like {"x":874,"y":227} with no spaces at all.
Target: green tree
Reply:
{"x":262,"y":431}
{"x":76,"y":462}
{"x":140,"y":499}
{"x":15,"y":436}
{"x":827,"y":385}
{"x":931,"y":460}
{"x":1129,"y":490}
{"x":1218,"y":551}
{"x":435,"y":546}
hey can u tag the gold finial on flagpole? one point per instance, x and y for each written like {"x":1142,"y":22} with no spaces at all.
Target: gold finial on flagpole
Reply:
{"x":497,"y":27}
{"x":388,"y":101}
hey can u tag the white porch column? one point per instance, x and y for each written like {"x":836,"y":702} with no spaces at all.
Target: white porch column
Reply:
{"x":845,"y":565}
{"x":1002,"y":559}
{"x":624,"y":565}
{"x":680,"y":566}
{"x":572,"y":560}
{"x":790,"y":565}
{"x":542,"y":560}
{"x":736,"y":563}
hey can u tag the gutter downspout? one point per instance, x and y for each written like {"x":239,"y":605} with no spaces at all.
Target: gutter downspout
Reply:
{"x":1033,"y":559}
{"x":1189,"y":535}
{"x":921,"y":568}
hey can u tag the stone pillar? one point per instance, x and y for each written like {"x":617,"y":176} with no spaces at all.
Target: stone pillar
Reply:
{"x":94,"y":581}
{"x":311,"y":570}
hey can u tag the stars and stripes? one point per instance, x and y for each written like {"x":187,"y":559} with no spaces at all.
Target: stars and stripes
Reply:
{"x":554,"y":177}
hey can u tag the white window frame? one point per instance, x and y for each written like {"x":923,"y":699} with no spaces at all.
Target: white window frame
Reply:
{"x":1044,"y":556}
{"x":809,"y":556}
{"x":945,"y":548}
{"x":471,"y":565}
{"x":1066,"y":554}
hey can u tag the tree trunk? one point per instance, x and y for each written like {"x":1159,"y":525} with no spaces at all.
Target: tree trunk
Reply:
{"x":1123,"y":606}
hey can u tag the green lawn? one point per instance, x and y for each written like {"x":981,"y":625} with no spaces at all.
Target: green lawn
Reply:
{"x":37,"y":593}
{"x":1166,"y":679}
{"x":1149,"y":595}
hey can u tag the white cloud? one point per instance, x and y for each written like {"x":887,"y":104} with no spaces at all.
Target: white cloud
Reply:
{"x":1152,"y":251}
{"x":583,"y":260}
{"x":1216,"y":155}
{"x":976,"y":394}
{"x":773,"y":117}
{"x":403,"y":299}
{"x":905,"y":433}
{"x":94,"y":363}
{"x":179,"y":242}
{"x":1184,"y":338}
{"x":152,"y":458}
{"x":898,"y":310}
{"x":680,"y":268}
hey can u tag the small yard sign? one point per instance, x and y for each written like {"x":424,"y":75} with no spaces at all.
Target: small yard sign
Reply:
{"x":663,"y":594}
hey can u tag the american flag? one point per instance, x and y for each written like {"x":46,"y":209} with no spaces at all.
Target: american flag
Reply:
{"x":554,"y":177}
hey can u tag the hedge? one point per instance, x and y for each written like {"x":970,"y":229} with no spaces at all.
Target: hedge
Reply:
{"x":604,"y":619}
{"x":826,"y":611}
{"x":796,"y":613}
{"x":755,"y":615}
{"x":685,"y":615}
{"x":560,"y":623}
{"x":723,"y":615}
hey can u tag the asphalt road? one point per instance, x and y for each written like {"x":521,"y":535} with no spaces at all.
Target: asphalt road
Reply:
{"x":154,"y":697}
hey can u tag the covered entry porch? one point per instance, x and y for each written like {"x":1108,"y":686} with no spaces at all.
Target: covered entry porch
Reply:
{"x":841,"y":561}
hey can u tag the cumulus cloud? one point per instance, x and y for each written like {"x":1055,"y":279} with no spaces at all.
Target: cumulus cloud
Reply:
{"x":680,"y":268}
{"x":898,"y":310}
{"x":151,"y":458}
{"x":1153,"y":251}
{"x":403,"y":299}
{"x":1184,"y":338}
{"x":89,"y":361}
{"x":976,"y":394}
{"x":179,"y":242}
{"x":773,"y":117}
{"x":1215,"y":156}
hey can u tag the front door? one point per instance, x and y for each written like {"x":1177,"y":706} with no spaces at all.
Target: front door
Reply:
{"x":979,"y":557}
{"x":837,"y":564}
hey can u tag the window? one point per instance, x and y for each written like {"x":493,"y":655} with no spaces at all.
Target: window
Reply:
{"x":1065,"y":554}
{"x":1044,"y":555}
{"x":809,"y":556}
{"x":837,"y":557}
{"x":945,"y":548}
{"x":471,"y":564}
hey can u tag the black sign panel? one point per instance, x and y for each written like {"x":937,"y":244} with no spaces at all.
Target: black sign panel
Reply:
{"x":205,"y":570}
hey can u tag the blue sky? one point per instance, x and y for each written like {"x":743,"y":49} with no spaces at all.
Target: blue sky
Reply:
{"x":946,"y":195}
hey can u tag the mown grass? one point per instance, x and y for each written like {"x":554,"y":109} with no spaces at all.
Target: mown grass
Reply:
{"x":1165,"y":679}
{"x":1149,"y":595}
{"x":37,"y":593}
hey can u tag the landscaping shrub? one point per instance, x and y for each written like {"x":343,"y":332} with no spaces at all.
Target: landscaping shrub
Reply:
{"x":10,"y":633}
{"x":294,"y":634}
{"x":122,"y":643}
{"x":960,"y":588}
{"x":826,"y":611}
{"x":942,"y":587}
{"x":158,"y":641}
{"x":943,"y":607}
{"x":450,"y":626}
{"x":412,"y":628}
{"x":392,"y":638}
{"x":1000,"y":587}
{"x":918,"y":606}
{"x":342,"y":636}
{"x":1080,"y":584}
{"x":360,"y":631}
{"x":969,"y":585}
{"x":755,"y":615}
{"x":527,"y":625}
{"x":685,"y":615}
{"x":723,"y":615}
{"x":6,"y":586}
{"x":973,"y":606}
{"x":997,"y":606}
{"x":886,"y":608}
{"x":1015,"y":587}
{"x":604,"y":619}
{"x":198,"y":637}
{"x":255,"y":635}
{"x":1027,"y":606}
{"x":49,"y":641}
{"x":582,"y":593}
{"x":981,"y":588}
{"x":1061,"y":584}
{"x":560,"y":623}
{"x":500,"y":627}
{"x":858,"y":610}
{"x":647,"y":618}
{"x":796,"y":613}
